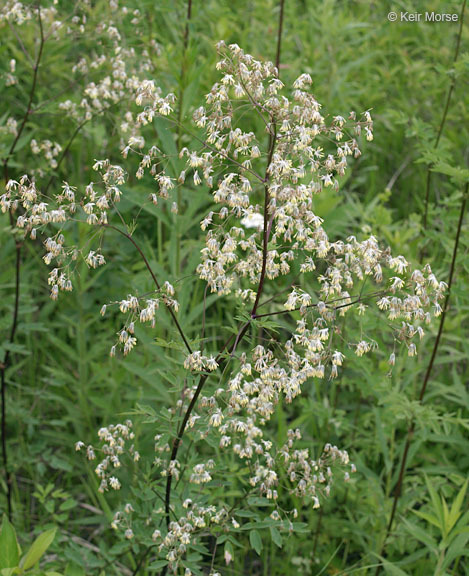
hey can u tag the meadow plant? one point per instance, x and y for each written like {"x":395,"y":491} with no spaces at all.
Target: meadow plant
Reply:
{"x":43,"y":119}
{"x":261,"y":226}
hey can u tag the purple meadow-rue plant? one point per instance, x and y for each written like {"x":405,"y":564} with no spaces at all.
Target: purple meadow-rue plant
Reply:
{"x":261,"y":226}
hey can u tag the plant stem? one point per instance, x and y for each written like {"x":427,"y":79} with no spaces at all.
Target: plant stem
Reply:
{"x":279,"y":34}
{"x":178,"y":439}
{"x":359,"y":299}
{"x":14,"y":324}
{"x":443,"y":121}
{"x":182,"y":80}
{"x":412,"y":425}
{"x":183,"y":71}
{"x":155,"y":280}
{"x":241,"y":333}
{"x":441,"y":559}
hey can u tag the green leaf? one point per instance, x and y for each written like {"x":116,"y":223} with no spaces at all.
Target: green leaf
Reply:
{"x":16,"y":348}
{"x":276,"y":536}
{"x":459,"y":175}
{"x":437,"y":507}
{"x":392,"y":569}
{"x":267,"y":523}
{"x":246,"y":514}
{"x":458,"y":549}
{"x":73,"y":569}
{"x":421,"y":535}
{"x":256,"y":541}
{"x":38,"y":548}
{"x":445,"y":517}
{"x":10,"y":571}
{"x":428,"y":517}
{"x":67,"y":505}
{"x":455,"y":512}
{"x":259,"y":501}
{"x":9,"y":551}
{"x":158,"y":564}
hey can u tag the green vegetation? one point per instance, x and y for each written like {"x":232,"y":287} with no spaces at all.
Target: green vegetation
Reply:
{"x":405,"y":427}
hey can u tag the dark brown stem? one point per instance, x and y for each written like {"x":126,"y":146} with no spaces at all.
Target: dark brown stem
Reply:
{"x":443,"y":121}
{"x":182,"y":80}
{"x":14,"y":324}
{"x":272,"y":142}
{"x":279,"y":34}
{"x":178,"y":439}
{"x":183,"y":69}
{"x":31,"y":94}
{"x":244,"y":328}
{"x":155,"y":280}
{"x":266,"y":231}
{"x":412,"y":425}
{"x":140,"y":562}
{"x":265,"y":242}
{"x":3,"y":368}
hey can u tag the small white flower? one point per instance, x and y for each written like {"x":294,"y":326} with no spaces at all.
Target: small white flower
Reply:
{"x":253,"y":220}
{"x":114,"y":483}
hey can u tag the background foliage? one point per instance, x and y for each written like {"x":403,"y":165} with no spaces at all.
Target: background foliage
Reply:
{"x":61,"y":385}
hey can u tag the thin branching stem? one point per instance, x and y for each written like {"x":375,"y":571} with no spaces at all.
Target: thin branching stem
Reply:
{"x":182,"y":85}
{"x":412,"y":425}
{"x":14,"y":322}
{"x":443,"y":121}
{"x":328,"y":304}
{"x":244,"y":328}
{"x":220,"y":153}
{"x":155,"y":280}
{"x":178,"y":439}
{"x":182,"y":75}
{"x":279,"y":34}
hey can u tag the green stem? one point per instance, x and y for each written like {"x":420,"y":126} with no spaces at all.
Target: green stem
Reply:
{"x":412,"y":424}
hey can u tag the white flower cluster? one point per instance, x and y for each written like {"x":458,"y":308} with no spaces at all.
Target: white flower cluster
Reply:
{"x":183,"y":532}
{"x":148,"y":95}
{"x":298,"y":169}
{"x":196,"y":362}
{"x":141,"y":310}
{"x":23,"y":197}
{"x":19,"y":13}
{"x":114,"y":445}
{"x":50,"y":150}
{"x":118,"y":68}
{"x":195,"y":520}
{"x":308,"y":478}
{"x":264,"y":223}
{"x":11,"y":127}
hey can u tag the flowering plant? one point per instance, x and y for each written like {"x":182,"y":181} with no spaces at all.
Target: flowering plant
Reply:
{"x":263,"y":152}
